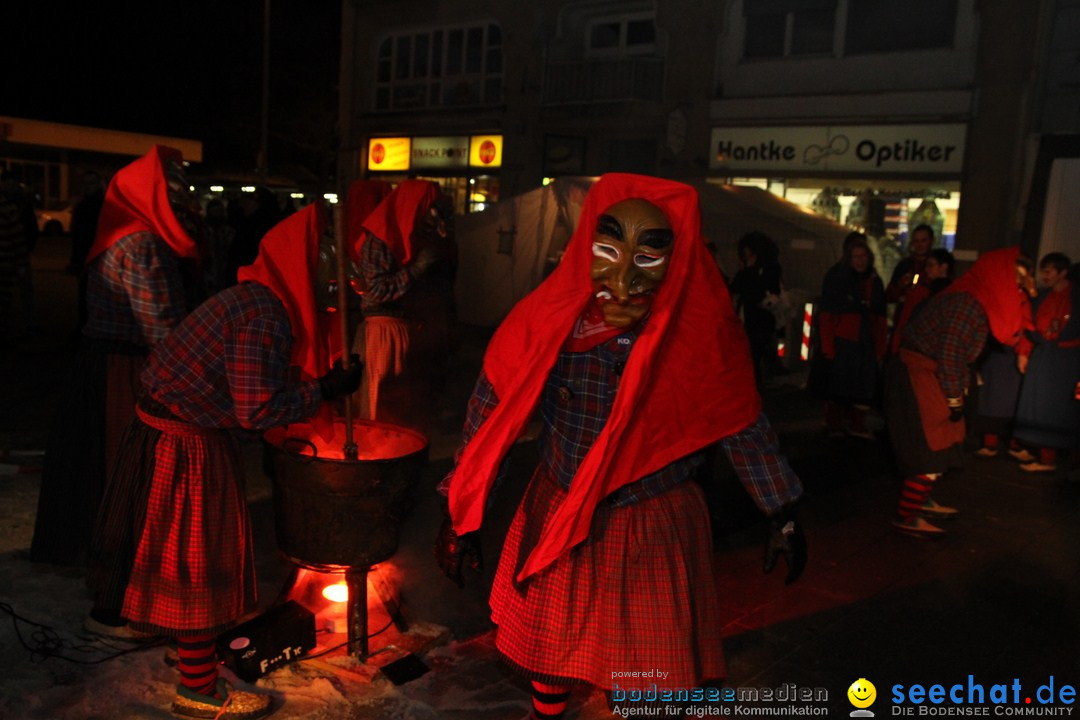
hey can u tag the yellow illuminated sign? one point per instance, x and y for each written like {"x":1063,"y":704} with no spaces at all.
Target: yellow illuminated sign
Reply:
{"x":388,"y":153}
{"x":485,"y":151}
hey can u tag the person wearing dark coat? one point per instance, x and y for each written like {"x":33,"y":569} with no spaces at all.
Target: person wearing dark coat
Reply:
{"x":852,"y":333}
{"x":1048,"y":412}
{"x":755,"y":285}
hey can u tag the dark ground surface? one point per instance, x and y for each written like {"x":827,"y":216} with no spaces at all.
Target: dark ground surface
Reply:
{"x":996,"y":599}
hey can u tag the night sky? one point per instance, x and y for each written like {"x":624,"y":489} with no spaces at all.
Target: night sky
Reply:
{"x":189,"y":68}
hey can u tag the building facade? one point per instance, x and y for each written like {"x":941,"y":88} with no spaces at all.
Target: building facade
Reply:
{"x":879,"y":114}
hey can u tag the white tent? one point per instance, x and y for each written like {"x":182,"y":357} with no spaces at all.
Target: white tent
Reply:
{"x":809,"y":243}
{"x":505,"y":251}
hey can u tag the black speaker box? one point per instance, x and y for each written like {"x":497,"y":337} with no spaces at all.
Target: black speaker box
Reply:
{"x":280,"y":635}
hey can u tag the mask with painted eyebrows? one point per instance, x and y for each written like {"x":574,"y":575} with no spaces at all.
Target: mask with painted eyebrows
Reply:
{"x":631,"y":249}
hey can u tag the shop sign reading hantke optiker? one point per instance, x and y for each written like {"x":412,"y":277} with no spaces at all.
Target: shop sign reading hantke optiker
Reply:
{"x":874,"y":149}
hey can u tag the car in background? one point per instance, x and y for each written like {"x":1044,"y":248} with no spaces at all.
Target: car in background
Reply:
{"x":56,"y":221}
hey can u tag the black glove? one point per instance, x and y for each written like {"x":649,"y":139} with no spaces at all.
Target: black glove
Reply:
{"x":956,"y":414}
{"x":786,"y":538}
{"x":338,"y":382}
{"x":453,"y":550}
{"x":423,"y":259}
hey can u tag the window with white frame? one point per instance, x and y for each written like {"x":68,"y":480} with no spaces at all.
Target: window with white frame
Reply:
{"x":625,"y":35}
{"x":782,"y":28}
{"x":444,"y":67}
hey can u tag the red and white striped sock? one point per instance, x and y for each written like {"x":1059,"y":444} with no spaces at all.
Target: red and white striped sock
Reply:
{"x":914,"y":494}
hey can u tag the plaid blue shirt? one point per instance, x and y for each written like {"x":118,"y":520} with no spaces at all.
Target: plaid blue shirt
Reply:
{"x":134,"y":291}
{"x":575,"y":404}
{"x":226,"y":366}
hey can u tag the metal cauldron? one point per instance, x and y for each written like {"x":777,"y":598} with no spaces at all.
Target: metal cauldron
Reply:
{"x":332,"y":514}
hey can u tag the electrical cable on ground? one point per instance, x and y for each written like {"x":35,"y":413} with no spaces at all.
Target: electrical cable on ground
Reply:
{"x":46,"y":643}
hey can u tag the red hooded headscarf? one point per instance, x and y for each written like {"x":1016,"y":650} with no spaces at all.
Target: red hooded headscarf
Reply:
{"x":138,"y":200}
{"x":688,"y":382}
{"x":992,"y":280}
{"x":286,"y":264}
{"x":393,"y":220}
{"x":364,"y":197}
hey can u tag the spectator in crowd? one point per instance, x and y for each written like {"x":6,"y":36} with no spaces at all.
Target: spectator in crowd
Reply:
{"x":925,"y":390}
{"x":13,"y":250}
{"x":756,"y":288}
{"x":911,"y":271}
{"x":84,"y":220}
{"x":1048,"y":412}
{"x":18,"y":193}
{"x":261,"y":213}
{"x":852,"y":334}
{"x":219,"y":240}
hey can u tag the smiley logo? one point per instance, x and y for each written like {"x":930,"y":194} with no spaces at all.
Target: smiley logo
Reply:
{"x":862,"y":693}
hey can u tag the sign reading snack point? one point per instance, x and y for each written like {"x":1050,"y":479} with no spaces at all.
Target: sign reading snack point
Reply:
{"x":388,"y":154}
{"x":440,"y":152}
{"x":485,"y":151}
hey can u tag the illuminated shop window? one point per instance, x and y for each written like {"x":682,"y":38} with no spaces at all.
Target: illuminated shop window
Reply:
{"x":447,"y":67}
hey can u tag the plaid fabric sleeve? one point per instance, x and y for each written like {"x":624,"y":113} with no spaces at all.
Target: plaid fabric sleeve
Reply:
{"x":257,"y":362}
{"x":481,"y":405}
{"x":151,"y":278}
{"x":763,"y":470}
{"x":962,"y":340}
{"x":384,"y":280}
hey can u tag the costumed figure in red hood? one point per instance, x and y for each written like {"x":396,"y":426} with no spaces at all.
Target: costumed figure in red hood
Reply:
{"x":925,"y":390}
{"x":148,"y":230}
{"x":407,"y":259}
{"x":634,"y":357}
{"x":172,"y":552}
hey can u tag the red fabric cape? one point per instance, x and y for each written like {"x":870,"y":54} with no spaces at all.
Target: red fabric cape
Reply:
{"x":138,"y":200}
{"x":364,"y":197}
{"x":992,"y":280}
{"x":688,"y":382}
{"x":393,"y":220}
{"x":286,"y":264}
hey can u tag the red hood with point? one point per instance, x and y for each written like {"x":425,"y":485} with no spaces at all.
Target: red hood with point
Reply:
{"x":688,"y":381}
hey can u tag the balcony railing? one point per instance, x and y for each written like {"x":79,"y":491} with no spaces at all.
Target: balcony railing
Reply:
{"x":599,"y":81}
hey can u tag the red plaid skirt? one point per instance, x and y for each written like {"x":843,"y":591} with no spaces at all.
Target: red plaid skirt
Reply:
{"x":194,"y":565}
{"x":639,"y":594}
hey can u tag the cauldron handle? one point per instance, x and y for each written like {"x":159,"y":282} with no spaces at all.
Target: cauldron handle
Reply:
{"x":303,"y":441}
